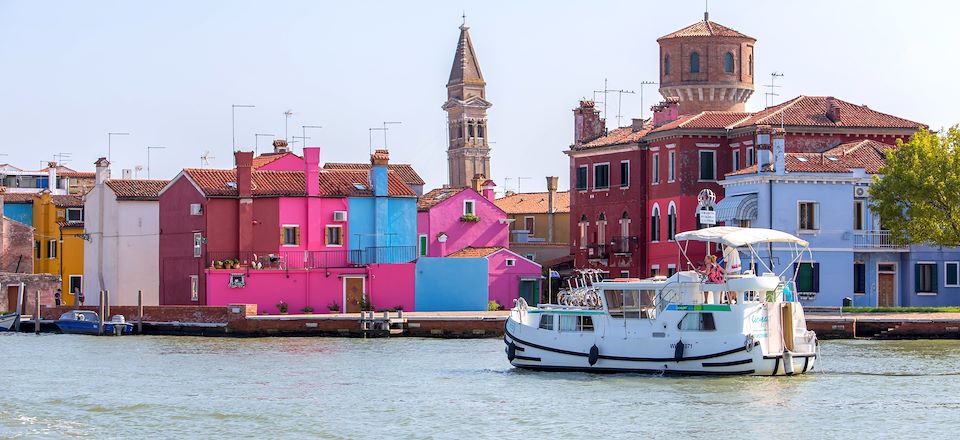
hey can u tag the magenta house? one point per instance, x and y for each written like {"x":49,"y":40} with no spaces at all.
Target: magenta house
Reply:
{"x":451,"y":219}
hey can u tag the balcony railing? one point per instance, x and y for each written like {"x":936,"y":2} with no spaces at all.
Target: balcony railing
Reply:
{"x":286,"y":260}
{"x":874,"y":239}
{"x":622,"y":245}
{"x":597,"y":251}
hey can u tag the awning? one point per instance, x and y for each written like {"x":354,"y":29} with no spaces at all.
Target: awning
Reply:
{"x":738,"y":207}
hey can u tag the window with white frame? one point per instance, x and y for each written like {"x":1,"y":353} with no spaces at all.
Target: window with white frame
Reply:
{"x":624,"y":274}
{"x":582,"y":178}
{"x":751,"y":158}
{"x":290,"y":235}
{"x":423,"y":245}
{"x":925,"y":277}
{"x":194,"y":288}
{"x":671,"y":222}
{"x":51,"y":249}
{"x":736,"y":160}
{"x":671,"y":166}
{"x":511,"y":262}
{"x":654,"y":270}
{"x":583,"y":231}
{"x":655,"y":223}
{"x":74,"y":215}
{"x":469,"y":207}
{"x":708,"y":165}
{"x":601,"y":176}
{"x":197,"y":243}
{"x":624,"y":173}
{"x":808,"y":216}
{"x":334,"y":235}
{"x":671,"y":269}
{"x":951,"y":274}
{"x":655,"y":168}
{"x":858,"y":215}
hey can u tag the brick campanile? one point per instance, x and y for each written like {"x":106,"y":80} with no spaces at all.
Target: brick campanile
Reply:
{"x":707,"y":66}
{"x":468,"y":153}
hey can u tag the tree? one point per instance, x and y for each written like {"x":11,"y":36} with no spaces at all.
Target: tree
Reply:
{"x":917,"y":193}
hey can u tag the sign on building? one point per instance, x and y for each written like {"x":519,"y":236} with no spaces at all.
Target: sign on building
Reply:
{"x":708,"y":217}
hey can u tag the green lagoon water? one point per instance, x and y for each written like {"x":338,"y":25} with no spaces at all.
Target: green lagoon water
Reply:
{"x":67,"y":386}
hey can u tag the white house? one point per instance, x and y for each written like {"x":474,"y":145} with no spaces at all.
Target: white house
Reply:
{"x":123,"y":232}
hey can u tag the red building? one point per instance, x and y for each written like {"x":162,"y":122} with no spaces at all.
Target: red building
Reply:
{"x":634,"y":188}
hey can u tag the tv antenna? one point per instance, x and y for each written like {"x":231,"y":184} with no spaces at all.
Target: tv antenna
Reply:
{"x":204,"y":159}
{"x":136,"y":171}
{"x":643,"y":83}
{"x":773,"y":88}
{"x":286,"y":122}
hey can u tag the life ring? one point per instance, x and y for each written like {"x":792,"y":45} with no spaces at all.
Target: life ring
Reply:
{"x":594,"y":355}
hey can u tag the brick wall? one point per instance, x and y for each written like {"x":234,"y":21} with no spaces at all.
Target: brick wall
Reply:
{"x":16,"y":247}
{"x":46,"y":284}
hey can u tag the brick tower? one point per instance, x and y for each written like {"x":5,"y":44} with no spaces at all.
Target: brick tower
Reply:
{"x":707,"y":66}
{"x":468,"y":153}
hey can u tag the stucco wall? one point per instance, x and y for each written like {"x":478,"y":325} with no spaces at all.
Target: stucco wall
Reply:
{"x":445,"y":217}
{"x":177,"y":226}
{"x":312,"y":214}
{"x":504,"y":280}
{"x":21,"y":212}
{"x":396,"y":225}
{"x":451,"y":284}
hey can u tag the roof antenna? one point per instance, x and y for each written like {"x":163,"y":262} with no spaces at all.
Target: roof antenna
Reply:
{"x":773,"y":92}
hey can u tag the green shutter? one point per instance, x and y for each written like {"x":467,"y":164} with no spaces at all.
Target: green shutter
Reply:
{"x":916,"y":277}
{"x":951,"y":274}
{"x":934,"y":280}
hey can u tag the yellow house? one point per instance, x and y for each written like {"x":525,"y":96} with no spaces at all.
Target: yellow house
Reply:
{"x":58,"y":240}
{"x":540,"y":229}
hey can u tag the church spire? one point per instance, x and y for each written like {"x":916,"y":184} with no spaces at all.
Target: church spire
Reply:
{"x":468,"y":151}
{"x":466,"y":69}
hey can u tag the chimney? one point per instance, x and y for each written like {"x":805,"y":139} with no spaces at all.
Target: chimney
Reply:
{"x":244,"y":160}
{"x":636,"y":124}
{"x":763,"y":145}
{"x":488,"y":190}
{"x":280,"y":146}
{"x":833,"y":110}
{"x":666,"y":111}
{"x":779,"y":151}
{"x":52,"y":176}
{"x":379,"y":163}
{"x":311,"y":173}
{"x":587,"y":124}
{"x":103,"y":170}
{"x":551,"y":205}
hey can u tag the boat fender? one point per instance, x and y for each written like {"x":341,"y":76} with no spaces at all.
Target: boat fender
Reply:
{"x":788,"y":362}
{"x":511,"y":351}
{"x":594,"y":355}
{"x":678,"y":351}
{"x":748,"y":345}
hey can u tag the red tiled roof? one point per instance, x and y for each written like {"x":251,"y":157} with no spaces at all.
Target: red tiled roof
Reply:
{"x":619,"y":136}
{"x":705,"y":29}
{"x":67,"y":201}
{"x":136,"y":189}
{"x":868,"y":155}
{"x":78,"y":174}
{"x":706,"y":119}
{"x":349,"y":183}
{"x":405,"y":171}
{"x":533,"y":203}
{"x":435,"y":196}
{"x":268,"y":158}
{"x":475,"y":252}
{"x":214,"y":182}
{"x":812,"y":111}
{"x":17,"y":197}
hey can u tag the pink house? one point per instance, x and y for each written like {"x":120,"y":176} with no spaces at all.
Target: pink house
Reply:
{"x":451,"y":219}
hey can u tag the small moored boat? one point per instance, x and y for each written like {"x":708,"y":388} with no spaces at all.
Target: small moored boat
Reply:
{"x":86,"y":322}
{"x":8,"y":321}
{"x":739,"y":324}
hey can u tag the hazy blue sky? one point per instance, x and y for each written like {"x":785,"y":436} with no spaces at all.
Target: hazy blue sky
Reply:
{"x":168,"y":71}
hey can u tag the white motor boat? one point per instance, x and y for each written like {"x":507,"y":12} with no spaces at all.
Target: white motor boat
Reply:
{"x":744,"y":324}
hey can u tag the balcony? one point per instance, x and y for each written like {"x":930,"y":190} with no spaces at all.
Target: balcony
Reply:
{"x":597,"y":251}
{"x":875,"y":239}
{"x":286,"y":260}
{"x":623,"y":245}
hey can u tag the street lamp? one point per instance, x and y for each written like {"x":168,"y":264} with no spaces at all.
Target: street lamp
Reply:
{"x":385,"y":132}
{"x":304,"y":128}
{"x":256,"y":141}
{"x":148,"y":157}
{"x":233,"y":123}
{"x":110,"y":138}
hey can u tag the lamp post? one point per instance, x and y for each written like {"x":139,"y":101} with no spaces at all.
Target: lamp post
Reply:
{"x":233,"y":125}
{"x":304,"y":128}
{"x":148,"y":157}
{"x":110,"y":143}
{"x":385,"y":132}
{"x":256,"y":141}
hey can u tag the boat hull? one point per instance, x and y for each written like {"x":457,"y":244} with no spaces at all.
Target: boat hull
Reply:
{"x":92,"y":328}
{"x":9,"y":321}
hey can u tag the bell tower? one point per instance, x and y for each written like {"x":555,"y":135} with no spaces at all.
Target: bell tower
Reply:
{"x":468,"y":152}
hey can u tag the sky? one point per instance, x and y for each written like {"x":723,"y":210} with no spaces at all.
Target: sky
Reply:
{"x":168,"y":73}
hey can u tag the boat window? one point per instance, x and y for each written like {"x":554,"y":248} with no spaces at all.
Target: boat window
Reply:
{"x":546,"y":322}
{"x":622,"y":303}
{"x":697,"y":321}
{"x":575,"y":323}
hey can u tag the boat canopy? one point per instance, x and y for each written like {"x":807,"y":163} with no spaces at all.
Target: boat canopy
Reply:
{"x":736,"y":237}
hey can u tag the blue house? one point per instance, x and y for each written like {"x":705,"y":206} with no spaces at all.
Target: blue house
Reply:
{"x":823,"y":198}
{"x":383,"y":221}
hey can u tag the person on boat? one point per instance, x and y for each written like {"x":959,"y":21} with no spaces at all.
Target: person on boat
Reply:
{"x":730,"y":260}
{"x":78,"y":295}
{"x":56,"y":297}
{"x":713,"y":272}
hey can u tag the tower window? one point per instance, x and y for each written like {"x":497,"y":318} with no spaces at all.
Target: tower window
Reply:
{"x":666,"y":65}
{"x":480,"y":129}
{"x":728,"y":62}
{"x":470,"y":130}
{"x":750,"y":59}
{"x":695,"y":62}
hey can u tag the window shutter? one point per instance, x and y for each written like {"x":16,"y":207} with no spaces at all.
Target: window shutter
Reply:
{"x":283,"y":233}
{"x":916,"y":277}
{"x":296,"y":239}
{"x":816,"y":277}
{"x":934,"y":281}
{"x":340,"y":236}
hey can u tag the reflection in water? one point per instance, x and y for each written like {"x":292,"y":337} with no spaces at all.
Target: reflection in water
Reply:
{"x":72,"y":386}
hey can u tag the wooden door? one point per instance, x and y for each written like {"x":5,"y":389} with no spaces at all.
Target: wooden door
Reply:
{"x":885,"y":289}
{"x":12,"y":293}
{"x":354,"y":294}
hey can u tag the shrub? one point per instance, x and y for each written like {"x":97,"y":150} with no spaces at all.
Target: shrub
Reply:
{"x":472,"y":218}
{"x":283,"y":307}
{"x":493,"y":306}
{"x":333,"y":307}
{"x":307,"y":309}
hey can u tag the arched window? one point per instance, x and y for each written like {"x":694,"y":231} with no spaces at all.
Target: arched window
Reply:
{"x":750,"y":60}
{"x":666,"y":64}
{"x":583,"y":218}
{"x":695,"y":62}
{"x":728,"y":62}
{"x":603,"y":217}
{"x":655,"y":224}
{"x":671,"y":221}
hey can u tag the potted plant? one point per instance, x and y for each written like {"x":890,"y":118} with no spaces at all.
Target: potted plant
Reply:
{"x":283,"y":307}
{"x":493,"y":306}
{"x":236,"y":264}
{"x":365,"y":304}
{"x":333,"y":307}
{"x":308,"y":310}
{"x":218,"y":264}
{"x":471,"y":218}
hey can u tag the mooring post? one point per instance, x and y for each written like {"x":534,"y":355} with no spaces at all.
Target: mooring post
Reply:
{"x":100,"y":329}
{"x":36,"y":317}
{"x":106,"y":303}
{"x":139,"y":312}
{"x":21,"y":294}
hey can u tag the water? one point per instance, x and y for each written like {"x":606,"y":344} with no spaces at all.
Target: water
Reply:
{"x":62,"y":386}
